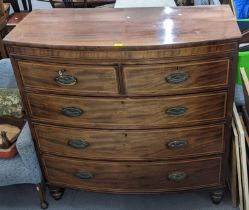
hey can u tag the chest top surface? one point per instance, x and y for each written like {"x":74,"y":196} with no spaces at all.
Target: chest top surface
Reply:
{"x":129,"y":28}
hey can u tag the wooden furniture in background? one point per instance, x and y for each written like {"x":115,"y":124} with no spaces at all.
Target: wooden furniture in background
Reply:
{"x":8,"y":22}
{"x":18,"y":14}
{"x":78,"y":3}
{"x":15,"y":19}
{"x":26,"y":5}
{"x":4,"y":13}
{"x":120,"y":105}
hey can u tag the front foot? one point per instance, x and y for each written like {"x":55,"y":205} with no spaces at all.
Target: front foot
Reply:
{"x":44,"y":205}
{"x":56,"y":192}
{"x":217,"y":196}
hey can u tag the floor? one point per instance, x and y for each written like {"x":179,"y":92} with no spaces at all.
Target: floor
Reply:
{"x":25,"y":197}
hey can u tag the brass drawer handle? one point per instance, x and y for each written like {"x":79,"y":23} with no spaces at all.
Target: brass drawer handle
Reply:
{"x":78,"y":143}
{"x":177,"y":176}
{"x":72,"y":111}
{"x":176,"y":111}
{"x":84,"y":175}
{"x":177,"y":144}
{"x":177,"y":77}
{"x":65,"y":79}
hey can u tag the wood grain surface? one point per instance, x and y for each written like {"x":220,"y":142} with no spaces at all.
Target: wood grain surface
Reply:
{"x":92,"y":79}
{"x":132,"y":176}
{"x":131,"y":145}
{"x":122,"y":115}
{"x":129,"y":113}
{"x":155,"y":79}
{"x":125,"y":28}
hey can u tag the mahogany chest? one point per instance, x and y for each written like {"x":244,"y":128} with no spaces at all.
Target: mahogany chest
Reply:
{"x":129,"y":100}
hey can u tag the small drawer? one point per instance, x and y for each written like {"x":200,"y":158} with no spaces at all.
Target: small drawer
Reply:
{"x":69,"y":79}
{"x":180,"y":78}
{"x":133,"y":176}
{"x":130,"y":145}
{"x":116,"y":113}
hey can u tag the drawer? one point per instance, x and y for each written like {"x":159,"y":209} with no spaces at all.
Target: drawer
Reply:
{"x":73,"y":79}
{"x":133,"y":176}
{"x":175,"y":78}
{"x":130,"y":144}
{"x":127,"y":113}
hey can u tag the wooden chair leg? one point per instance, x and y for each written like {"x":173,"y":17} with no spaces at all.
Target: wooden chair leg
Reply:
{"x":2,"y":49}
{"x":41,"y":190}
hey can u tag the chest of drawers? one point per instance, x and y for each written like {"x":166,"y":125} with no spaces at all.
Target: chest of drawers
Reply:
{"x":122,"y":103}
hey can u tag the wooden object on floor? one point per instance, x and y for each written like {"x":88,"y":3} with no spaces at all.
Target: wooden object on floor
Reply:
{"x":241,"y":152}
{"x":245,"y":108}
{"x":245,"y":84}
{"x":106,"y":102}
{"x":236,"y":143}
{"x":233,"y":179}
{"x":41,"y":190}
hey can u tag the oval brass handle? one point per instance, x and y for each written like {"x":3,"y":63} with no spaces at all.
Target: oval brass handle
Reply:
{"x":84,"y":175}
{"x":65,"y":79}
{"x":177,"y":176}
{"x":78,"y":143}
{"x":176,"y":111}
{"x":177,"y":144}
{"x":177,"y":77}
{"x":72,"y":111}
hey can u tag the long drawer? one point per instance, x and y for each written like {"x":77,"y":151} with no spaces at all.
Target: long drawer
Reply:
{"x":128,"y":113}
{"x":65,"y":78}
{"x":130,"y":144}
{"x":133,"y":176}
{"x":175,"y":78}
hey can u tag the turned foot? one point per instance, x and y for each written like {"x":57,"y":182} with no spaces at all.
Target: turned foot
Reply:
{"x":41,"y":189}
{"x":56,"y":192}
{"x":44,"y":205}
{"x":217,"y":196}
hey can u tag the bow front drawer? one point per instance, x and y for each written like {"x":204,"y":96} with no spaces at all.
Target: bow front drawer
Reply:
{"x":156,"y":144}
{"x":175,"y":78}
{"x":133,"y":176}
{"x":127,"y":113}
{"x":69,"y":79}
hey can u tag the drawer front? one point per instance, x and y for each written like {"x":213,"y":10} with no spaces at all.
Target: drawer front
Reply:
{"x":64,"y":78}
{"x":130,"y":145}
{"x":133,"y":176}
{"x":164,"y":79}
{"x":127,"y":113}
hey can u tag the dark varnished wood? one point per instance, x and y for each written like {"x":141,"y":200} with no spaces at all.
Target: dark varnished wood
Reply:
{"x":132,"y":176}
{"x":99,"y":80}
{"x":41,"y":190}
{"x":161,"y":27}
{"x":118,"y":54}
{"x":126,"y":118}
{"x":154,"y":79}
{"x":56,"y":192}
{"x":130,"y":145}
{"x":128,"y":113}
{"x":217,"y":196}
